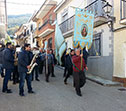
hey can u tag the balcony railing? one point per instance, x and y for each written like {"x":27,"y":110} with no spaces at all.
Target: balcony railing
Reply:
{"x":47,"y":22}
{"x":97,"y":7}
{"x":67,"y":25}
{"x":122,"y":9}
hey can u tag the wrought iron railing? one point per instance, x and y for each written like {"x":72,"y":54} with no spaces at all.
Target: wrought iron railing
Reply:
{"x":47,"y":22}
{"x":67,"y":25}
{"x":97,"y":7}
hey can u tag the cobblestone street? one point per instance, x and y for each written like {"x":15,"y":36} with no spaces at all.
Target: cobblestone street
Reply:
{"x":55,"y":96}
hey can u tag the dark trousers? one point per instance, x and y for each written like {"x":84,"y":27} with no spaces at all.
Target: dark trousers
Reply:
{"x":53,"y":70}
{"x":69,"y":72}
{"x":47,"y":73}
{"x":28,"y":78}
{"x":15,"y":75}
{"x":41,"y":65}
{"x":1,"y":70}
{"x":65,"y":70}
{"x":6,"y":78}
{"x":76,"y":81}
{"x":36,"y":73}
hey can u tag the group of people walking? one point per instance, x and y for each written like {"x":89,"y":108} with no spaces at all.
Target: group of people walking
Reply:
{"x":75,"y":65}
{"x":19,"y":64}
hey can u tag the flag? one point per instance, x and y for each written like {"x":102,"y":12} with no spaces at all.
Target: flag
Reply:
{"x":60,"y":45}
{"x":83,"y":29}
{"x":45,"y":45}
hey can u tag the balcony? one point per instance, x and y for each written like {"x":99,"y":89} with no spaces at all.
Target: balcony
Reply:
{"x":97,"y":7}
{"x":46,"y":29}
{"x":67,"y":27}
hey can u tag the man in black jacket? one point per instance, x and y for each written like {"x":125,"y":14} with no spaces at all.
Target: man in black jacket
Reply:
{"x":1,"y":57}
{"x":24,"y":61}
{"x":8,"y":64}
{"x":69,"y":65}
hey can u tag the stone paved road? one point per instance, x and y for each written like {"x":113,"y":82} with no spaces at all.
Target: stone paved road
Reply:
{"x":55,"y":96}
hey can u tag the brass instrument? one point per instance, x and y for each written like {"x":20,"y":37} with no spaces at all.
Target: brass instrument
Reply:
{"x":32,"y":64}
{"x":15,"y":59}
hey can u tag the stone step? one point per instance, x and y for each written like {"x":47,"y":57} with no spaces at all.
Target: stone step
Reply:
{"x":102,"y":81}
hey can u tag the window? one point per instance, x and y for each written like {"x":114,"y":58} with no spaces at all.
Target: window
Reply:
{"x":31,"y":28}
{"x":33,"y":40}
{"x":96,"y":45}
{"x":27,"y":32}
{"x":50,"y":43}
{"x":50,"y":19}
{"x":122,"y":9}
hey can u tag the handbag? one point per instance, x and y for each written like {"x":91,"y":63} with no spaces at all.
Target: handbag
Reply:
{"x":82,"y":76}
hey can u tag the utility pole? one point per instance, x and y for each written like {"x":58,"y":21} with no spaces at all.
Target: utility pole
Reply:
{"x":5,"y":3}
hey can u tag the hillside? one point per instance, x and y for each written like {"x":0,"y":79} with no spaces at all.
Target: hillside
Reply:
{"x":14,"y":21}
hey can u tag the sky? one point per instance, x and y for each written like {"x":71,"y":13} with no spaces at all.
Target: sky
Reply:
{"x":16,"y":7}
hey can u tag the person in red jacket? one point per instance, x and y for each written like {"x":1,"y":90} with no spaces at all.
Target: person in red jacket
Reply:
{"x":76,"y":69}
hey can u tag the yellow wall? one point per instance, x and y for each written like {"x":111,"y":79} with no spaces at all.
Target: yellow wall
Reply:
{"x":119,"y":44}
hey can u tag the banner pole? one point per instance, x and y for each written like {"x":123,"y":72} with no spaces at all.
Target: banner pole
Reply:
{"x":81,"y":59}
{"x":46,"y":62}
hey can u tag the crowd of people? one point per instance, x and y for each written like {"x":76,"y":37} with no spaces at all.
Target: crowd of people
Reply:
{"x":15,"y":65}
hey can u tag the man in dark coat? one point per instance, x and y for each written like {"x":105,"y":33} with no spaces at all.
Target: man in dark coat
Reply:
{"x":85,"y":55}
{"x":24,"y":61}
{"x":53,"y":63}
{"x":42,"y":61}
{"x":1,"y":57}
{"x":76,"y":69}
{"x":48,"y":67}
{"x":8,"y":64}
{"x":69,"y":65}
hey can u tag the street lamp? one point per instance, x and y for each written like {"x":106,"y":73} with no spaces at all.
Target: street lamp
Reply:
{"x":107,"y":9}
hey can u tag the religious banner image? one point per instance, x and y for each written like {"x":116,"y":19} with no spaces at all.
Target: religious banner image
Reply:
{"x":83,"y":29}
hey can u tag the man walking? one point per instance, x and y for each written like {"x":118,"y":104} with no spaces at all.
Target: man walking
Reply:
{"x":24,"y":61}
{"x":77,"y":69}
{"x":8,"y":64}
{"x":69,"y":65}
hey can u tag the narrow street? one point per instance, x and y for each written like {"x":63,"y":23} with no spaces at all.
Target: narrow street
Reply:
{"x":55,"y":96}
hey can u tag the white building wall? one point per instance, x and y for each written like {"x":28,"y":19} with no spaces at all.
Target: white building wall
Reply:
{"x":70,"y":6}
{"x":69,"y":42}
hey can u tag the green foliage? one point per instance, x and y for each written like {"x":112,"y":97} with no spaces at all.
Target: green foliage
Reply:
{"x":14,"y":22}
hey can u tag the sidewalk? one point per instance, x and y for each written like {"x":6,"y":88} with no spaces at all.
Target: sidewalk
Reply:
{"x":99,"y":80}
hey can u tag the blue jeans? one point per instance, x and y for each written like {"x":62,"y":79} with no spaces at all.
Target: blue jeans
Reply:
{"x":6,"y":78}
{"x":28,"y":78}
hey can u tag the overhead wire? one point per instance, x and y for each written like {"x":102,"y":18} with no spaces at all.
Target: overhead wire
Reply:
{"x":16,"y":3}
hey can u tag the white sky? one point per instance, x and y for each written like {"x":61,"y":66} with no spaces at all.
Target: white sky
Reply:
{"x":13,"y":8}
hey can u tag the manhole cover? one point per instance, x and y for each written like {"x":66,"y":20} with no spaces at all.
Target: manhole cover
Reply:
{"x":122,"y":89}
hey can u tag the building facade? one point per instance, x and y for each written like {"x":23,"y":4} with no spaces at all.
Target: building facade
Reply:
{"x":45,"y":18}
{"x":20,"y":35}
{"x":120,"y":41}
{"x":101,"y":52}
